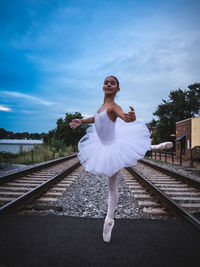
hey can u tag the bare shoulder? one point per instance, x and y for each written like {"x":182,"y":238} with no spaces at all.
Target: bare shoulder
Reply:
{"x":116,"y":108}
{"x":114,"y":111}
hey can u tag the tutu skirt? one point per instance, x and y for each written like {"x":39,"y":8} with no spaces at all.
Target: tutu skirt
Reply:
{"x":130,"y":144}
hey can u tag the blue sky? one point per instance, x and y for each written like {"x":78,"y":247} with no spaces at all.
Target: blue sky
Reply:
{"x":56,"y":54}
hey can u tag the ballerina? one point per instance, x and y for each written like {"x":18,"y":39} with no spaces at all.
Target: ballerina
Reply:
{"x":116,"y":140}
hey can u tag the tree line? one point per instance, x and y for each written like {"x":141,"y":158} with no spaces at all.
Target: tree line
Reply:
{"x":4,"y":134}
{"x":180,"y":105}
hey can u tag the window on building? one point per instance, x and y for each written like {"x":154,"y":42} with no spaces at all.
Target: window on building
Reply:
{"x":188,"y":144}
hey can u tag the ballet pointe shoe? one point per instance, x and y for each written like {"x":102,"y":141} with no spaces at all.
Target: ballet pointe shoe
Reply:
{"x":109,"y":222}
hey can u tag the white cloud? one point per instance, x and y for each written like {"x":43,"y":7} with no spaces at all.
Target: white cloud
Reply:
{"x":28,"y":111}
{"x":3,"y":108}
{"x":29,"y":97}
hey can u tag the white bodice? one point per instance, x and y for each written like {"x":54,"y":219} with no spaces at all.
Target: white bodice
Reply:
{"x":105,"y":128}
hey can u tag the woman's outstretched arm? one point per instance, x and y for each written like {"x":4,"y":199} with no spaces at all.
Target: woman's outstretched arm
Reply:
{"x":127,"y":117}
{"x":88,"y":120}
{"x":77,"y":122}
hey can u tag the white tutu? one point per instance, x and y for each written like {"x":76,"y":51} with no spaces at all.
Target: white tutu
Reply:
{"x":107,"y":146}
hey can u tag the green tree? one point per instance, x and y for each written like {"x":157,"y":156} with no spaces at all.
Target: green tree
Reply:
{"x":181,"y":105}
{"x":64,"y":132}
{"x":3,"y":133}
{"x":35,"y":136}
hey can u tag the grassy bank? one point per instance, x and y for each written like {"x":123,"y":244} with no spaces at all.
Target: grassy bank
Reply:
{"x":39,"y":154}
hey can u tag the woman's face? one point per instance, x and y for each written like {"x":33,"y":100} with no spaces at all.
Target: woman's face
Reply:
{"x":110,"y":86}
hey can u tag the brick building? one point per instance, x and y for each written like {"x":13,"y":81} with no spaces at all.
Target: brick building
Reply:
{"x":187,"y":137}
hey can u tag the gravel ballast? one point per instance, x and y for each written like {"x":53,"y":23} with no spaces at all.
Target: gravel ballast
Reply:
{"x":88,"y":197}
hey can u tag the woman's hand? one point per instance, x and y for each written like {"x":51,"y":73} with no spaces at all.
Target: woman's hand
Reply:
{"x":130,"y":116}
{"x":75,"y":123}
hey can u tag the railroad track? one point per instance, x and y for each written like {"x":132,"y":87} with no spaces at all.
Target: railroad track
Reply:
{"x":160,"y":193}
{"x":43,"y":182}
{"x":164,"y":193}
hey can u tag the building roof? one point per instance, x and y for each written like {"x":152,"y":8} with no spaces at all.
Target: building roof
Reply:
{"x":189,"y":119}
{"x":180,"y":138}
{"x":183,"y":120}
{"x":20,"y":142}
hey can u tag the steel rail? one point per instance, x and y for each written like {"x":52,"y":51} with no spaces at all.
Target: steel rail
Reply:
{"x":174,"y":207}
{"x":12,"y":176}
{"x":36,"y":192}
{"x":173,"y":174}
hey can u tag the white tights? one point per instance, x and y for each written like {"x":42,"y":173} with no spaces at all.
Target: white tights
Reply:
{"x":112,"y":203}
{"x":113,"y":195}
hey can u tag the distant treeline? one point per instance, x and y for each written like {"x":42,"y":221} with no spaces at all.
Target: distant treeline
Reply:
{"x":4,"y":134}
{"x":57,"y":138}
